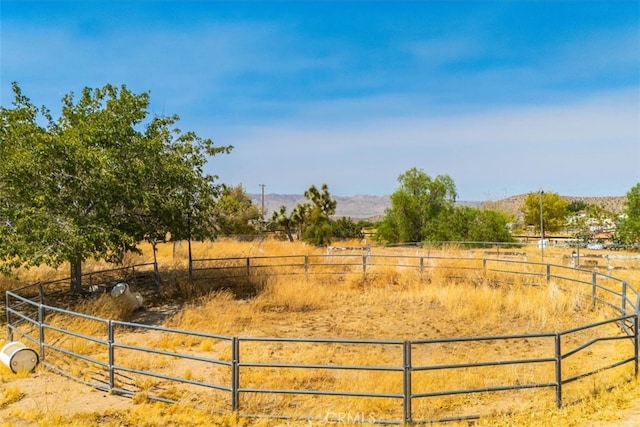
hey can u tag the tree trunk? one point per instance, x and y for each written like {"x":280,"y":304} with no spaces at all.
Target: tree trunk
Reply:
{"x":287,"y":230}
{"x":156,"y":274}
{"x":76,"y":277}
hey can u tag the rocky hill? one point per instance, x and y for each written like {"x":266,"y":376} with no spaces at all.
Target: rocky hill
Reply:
{"x":513,"y":205}
{"x":372,"y":207}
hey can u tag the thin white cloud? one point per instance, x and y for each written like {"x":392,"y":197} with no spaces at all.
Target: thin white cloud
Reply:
{"x":303,"y":110}
{"x":243,"y":62}
{"x":556,"y":146}
{"x":606,"y":51}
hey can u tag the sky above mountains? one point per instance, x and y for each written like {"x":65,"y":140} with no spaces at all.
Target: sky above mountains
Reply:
{"x":504,"y":97}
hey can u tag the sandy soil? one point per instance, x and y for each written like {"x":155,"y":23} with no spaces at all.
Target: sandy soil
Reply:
{"x":47,"y":392}
{"x":44,"y":391}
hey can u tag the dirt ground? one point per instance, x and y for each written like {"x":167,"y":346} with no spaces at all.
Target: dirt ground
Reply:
{"x":47,"y":392}
{"x":44,"y":391}
{"x":628,"y":418}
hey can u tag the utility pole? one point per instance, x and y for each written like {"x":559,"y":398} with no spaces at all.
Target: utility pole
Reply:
{"x":541,"y":228}
{"x":262,"y":185}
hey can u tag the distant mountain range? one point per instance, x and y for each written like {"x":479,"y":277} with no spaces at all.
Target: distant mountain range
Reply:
{"x":357,"y":207}
{"x":372,"y":207}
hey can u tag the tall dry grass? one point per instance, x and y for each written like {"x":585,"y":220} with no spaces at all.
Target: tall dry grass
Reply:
{"x":391,"y":304}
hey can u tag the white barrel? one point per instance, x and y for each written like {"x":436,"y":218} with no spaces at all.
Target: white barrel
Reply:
{"x":122,"y":291}
{"x":18,"y":357}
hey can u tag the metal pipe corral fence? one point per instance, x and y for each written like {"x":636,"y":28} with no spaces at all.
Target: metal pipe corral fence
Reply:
{"x":399,"y":378}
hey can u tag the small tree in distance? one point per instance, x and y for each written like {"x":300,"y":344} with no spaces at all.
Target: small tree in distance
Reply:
{"x":423,"y":209}
{"x":348,"y":228}
{"x":310,"y":222}
{"x":290,"y":224}
{"x":318,"y":227}
{"x":415,"y":207}
{"x":235,"y":211}
{"x":554,"y":211}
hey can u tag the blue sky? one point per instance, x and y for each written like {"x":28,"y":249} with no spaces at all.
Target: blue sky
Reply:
{"x":505,"y":97}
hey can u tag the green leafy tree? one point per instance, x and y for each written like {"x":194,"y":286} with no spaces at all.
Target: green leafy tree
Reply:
{"x":98,"y":180}
{"x":628,"y":231}
{"x":554,"y":211}
{"x":490,"y":226}
{"x":452,"y":225}
{"x":235,"y":211}
{"x":465,"y":223}
{"x":347,"y":228}
{"x":416,"y":207}
{"x":318,"y":227}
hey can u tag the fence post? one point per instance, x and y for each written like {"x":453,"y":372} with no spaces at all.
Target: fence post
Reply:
{"x":235,"y":373}
{"x":6,"y":310}
{"x":248,"y":266}
{"x":548,"y":273}
{"x":407,"y":382}
{"x":306,"y":264}
{"x":593,"y":290}
{"x":110,"y":341}
{"x":558,"y":351}
{"x":624,"y":298}
{"x":421,"y":265}
{"x":636,"y":348}
{"x":364,"y":265}
{"x":41,"y":320}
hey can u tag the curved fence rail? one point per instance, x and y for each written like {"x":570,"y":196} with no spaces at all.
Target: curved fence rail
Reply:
{"x":378,"y":381}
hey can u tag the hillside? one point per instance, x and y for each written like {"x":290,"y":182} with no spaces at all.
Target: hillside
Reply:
{"x":513,"y":205}
{"x":366,"y":206}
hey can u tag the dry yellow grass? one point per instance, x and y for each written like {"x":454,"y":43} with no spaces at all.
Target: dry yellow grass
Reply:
{"x":390,"y":303}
